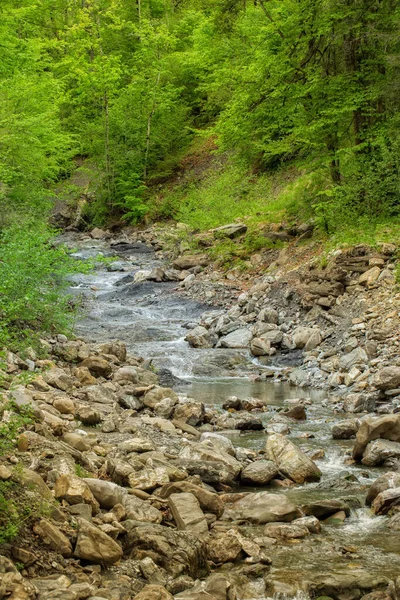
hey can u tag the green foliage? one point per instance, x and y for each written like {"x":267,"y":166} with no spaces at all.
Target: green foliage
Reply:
{"x":17,"y":419}
{"x":32,"y":284}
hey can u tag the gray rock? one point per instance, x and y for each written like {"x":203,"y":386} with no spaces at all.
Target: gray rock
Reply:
{"x":380,"y":451}
{"x":345,"y":430}
{"x":387,"y":378}
{"x":262,"y":507}
{"x":259,"y":472}
{"x":385,"y":427}
{"x":290,"y":460}
{"x":187,"y":513}
{"x":387,"y":481}
{"x":240,"y":338}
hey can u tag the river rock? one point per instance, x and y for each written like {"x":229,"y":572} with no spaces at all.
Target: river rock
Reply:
{"x":126,"y":373}
{"x":381,"y":451}
{"x":74,"y":490}
{"x":385,"y":427}
{"x":224,"y":547}
{"x":290,"y":460}
{"x":385,"y":501}
{"x":387,"y":481}
{"x":188,"y":516}
{"x":298,"y":412}
{"x":346,"y":429}
{"x":209,"y":501}
{"x":200,"y":337}
{"x":53,"y":537}
{"x":158,"y":393}
{"x":107,"y":493}
{"x":312,"y":523}
{"x":259,"y":472}
{"x":260,"y":346}
{"x":286,"y":531}
{"x":96,"y":546}
{"x":65,"y":406}
{"x":178,"y":552}
{"x":227,"y":466}
{"x":216,"y":440}
{"x":184,"y":263}
{"x":190,"y":412}
{"x":323,"y":509}
{"x":153,"y":592}
{"x":387,"y":378}
{"x":262,"y":507}
{"x":240,"y":338}
{"x":98,"y":366}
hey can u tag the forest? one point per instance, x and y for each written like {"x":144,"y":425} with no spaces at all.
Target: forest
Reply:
{"x":296,"y":95}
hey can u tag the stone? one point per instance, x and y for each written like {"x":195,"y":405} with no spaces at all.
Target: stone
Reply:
{"x":385,"y":501}
{"x":371,"y":428}
{"x":139,"y":510}
{"x":88,"y":415}
{"x":286,"y":531}
{"x":290,"y":460}
{"x":136,"y":444}
{"x":149,"y":478}
{"x":358,"y":403}
{"x":260,"y":346}
{"x":209,"y":501}
{"x":59,"y":379}
{"x":32,"y":479}
{"x":218,"y":441}
{"x":187,"y":514}
{"x":53,"y":537}
{"x":227,"y":466}
{"x":184,"y":263}
{"x":224,"y":547}
{"x":76,"y":441}
{"x":106,"y":493}
{"x":298,"y":412}
{"x":303,"y":336}
{"x":387,"y":481}
{"x":358,"y":356}
{"x":126,"y":373}
{"x":5,"y":473}
{"x":98,"y":234}
{"x":94,"y":545}
{"x":74,"y":490}
{"x":190,"y":412}
{"x":65,"y":406}
{"x":153,"y":592}
{"x":325,"y":508}
{"x":263,"y":507}
{"x":98,"y":366}
{"x":380,"y":451}
{"x":155,"y":395}
{"x":268,"y":315}
{"x":312,"y":523}
{"x":369,"y":277}
{"x":200,"y":337}
{"x":230,"y":231}
{"x":240,"y":338}
{"x":346,"y":429}
{"x":178,"y":552}
{"x":387,"y":378}
{"x":259,"y":472}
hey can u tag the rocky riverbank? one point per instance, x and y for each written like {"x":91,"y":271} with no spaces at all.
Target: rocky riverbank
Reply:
{"x":125,"y":488}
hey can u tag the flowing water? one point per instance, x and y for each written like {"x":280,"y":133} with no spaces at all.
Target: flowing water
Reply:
{"x":152,"y":319}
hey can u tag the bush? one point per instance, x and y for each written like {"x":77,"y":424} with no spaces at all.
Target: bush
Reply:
{"x":33,"y":284}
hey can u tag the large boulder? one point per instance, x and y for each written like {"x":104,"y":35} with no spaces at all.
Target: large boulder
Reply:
{"x":385,"y":501}
{"x":74,"y":490}
{"x":188,"y":516}
{"x":98,"y":366}
{"x":227,"y":467}
{"x":107,"y":493}
{"x":346,"y":429}
{"x":259,"y":472}
{"x":53,"y":537}
{"x":322,"y":509}
{"x":139,"y":510}
{"x":209,"y":501}
{"x":386,"y":427}
{"x":96,"y":546}
{"x":240,"y":338}
{"x":387,"y":481}
{"x":381,"y":451}
{"x":290,"y":460}
{"x":263,"y":507}
{"x":387,"y":378}
{"x":178,"y":552}
{"x":306,"y":337}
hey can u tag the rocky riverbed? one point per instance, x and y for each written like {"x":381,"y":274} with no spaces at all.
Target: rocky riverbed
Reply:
{"x":240,"y":440}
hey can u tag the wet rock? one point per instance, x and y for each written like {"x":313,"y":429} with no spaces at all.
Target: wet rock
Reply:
{"x":323,"y":509}
{"x":387,"y":481}
{"x":178,"y":552}
{"x":240,"y":338}
{"x":387,"y":378}
{"x":345,"y":430}
{"x":75,"y":491}
{"x":385,"y":501}
{"x":385,"y":427}
{"x":187,"y":513}
{"x":380,"y":451}
{"x":263,"y":507}
{"x":290,"y":460}
{"x":53,"y":537}
{"x":98,"y":366}
{"x":249,"y":424}
{"x":209,"y":501}
{"x":339,"y":585}
{"x":259,"y":472}
{"x":96,"y":546}
{"x":312,"y":523}
{"x":286,"y":531}
{"x":298,"y":412}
